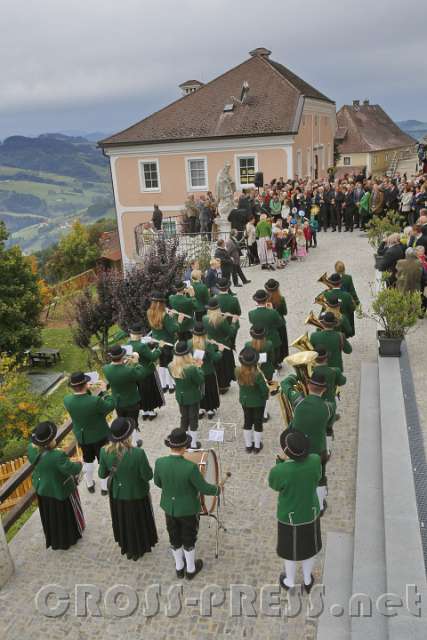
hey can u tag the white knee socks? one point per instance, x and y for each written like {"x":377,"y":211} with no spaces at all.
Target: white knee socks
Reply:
{"x":88,"y":468}
{"x":169,"y":380}
{"x":193,"y":435}
{"x":248,"y":436}
{"x":257,"y":439}
{"x":190,"y":557}
{"x":103,"y":482}
{"x":178,"y":555}
{"x":322,"y":492}
{"x":290,"y":570}
{"x":307,"y":568}
{"x":135,"y":437}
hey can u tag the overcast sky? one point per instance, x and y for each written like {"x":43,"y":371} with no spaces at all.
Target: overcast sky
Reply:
{"x":101,"y":65}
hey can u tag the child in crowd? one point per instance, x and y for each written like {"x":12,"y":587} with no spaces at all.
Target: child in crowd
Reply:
{"x":307,"y":233}
{"x":301,"y":243}
{"x":314,"y":226}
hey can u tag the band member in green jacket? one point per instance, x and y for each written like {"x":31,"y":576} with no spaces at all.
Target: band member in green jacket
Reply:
{"x":343,"y":323}
{"x":334,"y":341}
{"x":150,"y":388}
{"x":124,"y":376}
{"x":278,"y":302}
{"x":184,"y":304}
{"x":229,"y":305}
{"x":312,"y":415}
{"x":55,"y":486}
{"x":164,"y":326}
{"x":129,"y":474}
{"x":295,"y":477}
{"x":253,"y":395}
{"x":346,"y":282}
{"x":88,"y":414}
{"x":188,"y":375}
{"x":270,"y":319}
{"x":347,"y":305}
{"x":220,"y":330}
{"x":182,"y":483}
{"x":334,"y":379}
{"x":201,"y":294}
{"x":211,"y":353}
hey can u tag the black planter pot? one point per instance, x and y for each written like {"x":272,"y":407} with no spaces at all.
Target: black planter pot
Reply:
{"x":388,"y":347}
{"x":378,"y":261}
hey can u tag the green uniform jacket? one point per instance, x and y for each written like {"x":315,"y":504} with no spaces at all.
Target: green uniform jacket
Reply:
{"x":130,"y":482}
{"x":181,"y":483}
{"x":334,"y":378}
{"x":188,"y":390}
{"x":147,"y":357}
{"x":88,"y":416}
{"x":270,"y":320}
{"x":168,"y":331}
{"x":344,"y":327}
{"x":267,"y":367}
{"x":229,"y":304}
{"x":312,"y":414}
{"x":335,"y":343}
{"x":53,"y":476}
{"x":346,"y":303}
{"x":255,"y":395}
{"x":348,"y":286}
{"x":124,"y":380}
{"x":224,"y":332}
{"x":212,"y":355}
{"x":201,"y":295}
{"x":296,"y":483}
{"x":184,"y":304}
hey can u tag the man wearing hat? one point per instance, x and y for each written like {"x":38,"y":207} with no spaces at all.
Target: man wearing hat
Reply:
{"x":332,"y":340}
{"x":334,"y":379}
{"x":312,"y":415}
{"x":346,"y":301}
{"x":182,"y":483}
{"x":268,"y":318}
{"x":183,"y":304}
{"x":149,"y":388}
{"x":124,"y":379}
{"x":343,"y":324}
{"x":296,"y":476}
{"x":88,"y":414}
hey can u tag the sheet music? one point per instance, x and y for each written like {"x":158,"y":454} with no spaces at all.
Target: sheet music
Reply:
{"x":198,"y":354}
{"x":262,"y":358}
{"x":128,"y":348}
{"x":216,"y":435}
{"x":93,"y":375}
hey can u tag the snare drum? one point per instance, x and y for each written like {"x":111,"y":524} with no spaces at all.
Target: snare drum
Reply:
{"x":207,"y":462}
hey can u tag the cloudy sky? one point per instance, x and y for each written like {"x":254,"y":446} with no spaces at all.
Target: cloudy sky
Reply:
{"x":100,"y":65}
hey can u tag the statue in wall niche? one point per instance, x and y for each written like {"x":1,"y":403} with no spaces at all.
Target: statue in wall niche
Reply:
{"x":225,"y":189}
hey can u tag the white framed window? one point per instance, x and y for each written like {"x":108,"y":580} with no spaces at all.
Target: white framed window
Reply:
{"x":149,"y":174}
{"x":246,"y":168}
{"x":347,"y":161}
{"x":196,"y":170}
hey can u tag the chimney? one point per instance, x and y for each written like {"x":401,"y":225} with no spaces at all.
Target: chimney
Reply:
{"x":365,"y":103}
{"x":261,"y":52}
{"x":356,"y":103}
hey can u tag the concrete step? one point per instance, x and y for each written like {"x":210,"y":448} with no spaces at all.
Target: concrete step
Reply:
{"x":369,"y":575}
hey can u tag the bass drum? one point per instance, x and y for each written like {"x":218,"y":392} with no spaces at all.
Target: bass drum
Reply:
{"x":207,"y":462}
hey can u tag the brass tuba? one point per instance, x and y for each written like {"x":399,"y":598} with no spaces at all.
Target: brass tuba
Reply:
{"x":322,"y":300}
{"x":302,"y":343}
{"x":314,"y":321}
{"x":325,"y":281}
{"x":303,"y":364}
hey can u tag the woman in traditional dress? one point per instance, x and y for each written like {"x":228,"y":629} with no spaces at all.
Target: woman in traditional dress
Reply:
{"x":253,"y":395}
{"x":296,"y":476}
{"x":219,"y":329}
{"x":264,"y":242}
{"x":150,"y":389}
{"x":278,"y":302}
{"x":163,"y":327}
{"x":129,"y":474}
{"x":54,"y":481}
{"x":211,"y":353}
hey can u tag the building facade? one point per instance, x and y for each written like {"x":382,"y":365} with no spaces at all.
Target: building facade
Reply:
{"x":258,"y":116}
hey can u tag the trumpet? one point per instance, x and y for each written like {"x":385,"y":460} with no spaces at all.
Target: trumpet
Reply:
{"x":315,"y":322}
{"x":325,"y":281}
{"x":302,"y":343}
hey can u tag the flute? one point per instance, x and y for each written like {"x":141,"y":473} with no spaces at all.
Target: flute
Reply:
{"x":165,"y":344}
{"x":179,"y":313}
{"x":230,"y":315}
{"x":219,"y":344}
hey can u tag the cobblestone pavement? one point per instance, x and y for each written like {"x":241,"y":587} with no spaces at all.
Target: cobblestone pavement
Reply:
{"x":247,"y":548}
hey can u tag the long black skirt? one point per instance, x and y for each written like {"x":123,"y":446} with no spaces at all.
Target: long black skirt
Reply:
{"x":210,"y":400}
{"x":151,"y":393}
{"x":62,"y":526}
{"x":283,"y":349}
{"x":299,"y":542}
{"x":225,"y":369}
{"x":134,"y":528}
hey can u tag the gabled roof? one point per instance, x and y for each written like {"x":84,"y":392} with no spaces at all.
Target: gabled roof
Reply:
{"x":366,"y":127}
{"x":272,"y":106}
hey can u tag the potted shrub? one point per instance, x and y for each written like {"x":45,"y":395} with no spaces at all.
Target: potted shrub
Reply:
{"x":380,"y":227}
{"x":396,"y":311}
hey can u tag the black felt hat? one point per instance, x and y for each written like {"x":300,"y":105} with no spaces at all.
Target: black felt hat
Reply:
{"x":121,"y":429}
{"x":257,"y":332}
{"x":116,"y":352}
{"x":318,"y":379}
{"x":322,"y":353}
{"x":181,"y":348}
{"x":78,"y":378}
{"x":260,"y":296}
{"x":223,"y":284}
{"x":199,"y":329}
{"x":137,"y":328}
{"x":177,"y":439}
{"x":272,"y":285}
{"x":44,"y":433}
{"x":213,"y":304}
{"x":335,"y":278}
{"x":179,"y":285}
{"x":295,"y":444}
{"x":157,"y":296}
{"x":248,"y":356}
{"x":328,"y":319}
{"x":333,"y":301}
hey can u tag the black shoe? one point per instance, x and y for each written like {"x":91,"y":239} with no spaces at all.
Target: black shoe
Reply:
{"x":333,"y":230}
{"x":257,"y":450}
{"x":279,"y":366}
{"x":325,"y":506}
{"x":282,"y":583}
{"x":266,"y":418}
{"x":199,"y":567}
{"x":271,"y":268}
{"x":181,"y":573}
{"x":211,"y":414}
{"x":198,"y":446}
{"x":153,"y":417}
{"x":104,"y":492}
{"x":172,"y":390}
{"x":202,"y":414}
{"x":91,"y":489}
{"x":308,"y":587}
{"x":249,"y":449}
{"x":145,"y":417}
{"x":247,"y":281}
{"x":237,"y":285}
{"x":165,"y":389}
{"x":139,"y":443}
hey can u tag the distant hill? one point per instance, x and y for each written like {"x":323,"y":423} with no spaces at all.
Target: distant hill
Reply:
{"x":415,"y":128}
{"x":48,"y":181}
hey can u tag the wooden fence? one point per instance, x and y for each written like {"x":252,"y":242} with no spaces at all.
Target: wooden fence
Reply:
{"x":7,"y":469}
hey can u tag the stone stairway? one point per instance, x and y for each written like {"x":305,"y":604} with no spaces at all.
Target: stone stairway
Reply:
{"x":385,"y":553}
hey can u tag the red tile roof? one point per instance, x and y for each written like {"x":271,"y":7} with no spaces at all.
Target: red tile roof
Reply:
{"x":272,"y":106}
{"x":368,"y":128}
